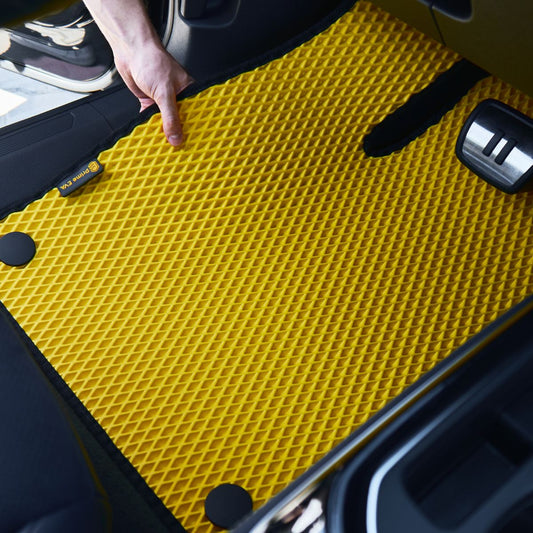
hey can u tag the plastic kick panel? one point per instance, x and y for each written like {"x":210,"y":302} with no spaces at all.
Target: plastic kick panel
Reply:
{"x":232,"y":310}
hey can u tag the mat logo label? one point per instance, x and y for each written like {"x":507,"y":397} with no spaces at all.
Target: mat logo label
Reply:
{"x":80,"y":177}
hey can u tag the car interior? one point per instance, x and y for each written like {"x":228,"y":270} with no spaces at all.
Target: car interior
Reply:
{"x":315,"y":317}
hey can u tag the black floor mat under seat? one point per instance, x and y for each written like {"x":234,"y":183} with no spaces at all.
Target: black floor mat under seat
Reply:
{"x":134,"y":506}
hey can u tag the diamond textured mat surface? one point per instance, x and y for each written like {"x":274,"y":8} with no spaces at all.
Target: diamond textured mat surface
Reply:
{"x":232,"y":310}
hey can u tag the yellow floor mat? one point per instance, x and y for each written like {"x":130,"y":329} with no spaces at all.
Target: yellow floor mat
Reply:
{"x":232,"y":310}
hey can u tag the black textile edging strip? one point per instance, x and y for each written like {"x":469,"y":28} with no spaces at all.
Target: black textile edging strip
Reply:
{"x":136,"y":480}
{"x":194,"y":89}
{"x":422,"y":110}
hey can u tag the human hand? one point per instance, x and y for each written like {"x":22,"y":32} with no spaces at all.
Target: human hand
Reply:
{"x":148,"y":70}
{"x":5,"y":41}
{"x":154,"y":76}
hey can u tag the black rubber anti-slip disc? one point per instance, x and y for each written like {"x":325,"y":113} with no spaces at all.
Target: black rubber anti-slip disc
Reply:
{"x":16,"y":249}
{"x":227,"y":504}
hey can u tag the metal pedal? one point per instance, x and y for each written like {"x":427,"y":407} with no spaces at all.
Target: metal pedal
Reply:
{"x":496,"y":143}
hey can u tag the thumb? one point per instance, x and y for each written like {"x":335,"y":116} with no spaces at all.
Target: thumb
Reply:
{"x":145,"y":103}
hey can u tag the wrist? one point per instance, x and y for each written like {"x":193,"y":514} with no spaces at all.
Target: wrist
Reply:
{"x":125,"y":25}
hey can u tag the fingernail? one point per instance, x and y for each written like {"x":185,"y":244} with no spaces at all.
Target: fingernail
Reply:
{"x":175,"y":140}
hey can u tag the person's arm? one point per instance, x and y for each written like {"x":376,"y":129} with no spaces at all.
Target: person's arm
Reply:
{"x":148,"y":70}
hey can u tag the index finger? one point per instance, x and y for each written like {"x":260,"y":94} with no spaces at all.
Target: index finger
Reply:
{"x":168,"y":106}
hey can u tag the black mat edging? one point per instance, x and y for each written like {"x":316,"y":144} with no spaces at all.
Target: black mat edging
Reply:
{"x":167,"y":519}
{"x":423,"y":110}
{"x":196,"y":88}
